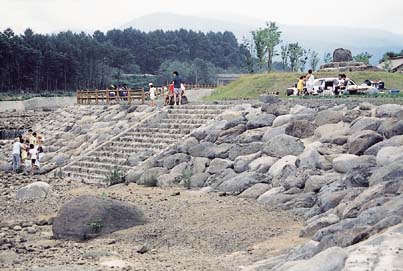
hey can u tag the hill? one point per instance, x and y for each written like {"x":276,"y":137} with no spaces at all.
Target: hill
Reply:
{"x":251,"y":86}
{"x":319,"y":38}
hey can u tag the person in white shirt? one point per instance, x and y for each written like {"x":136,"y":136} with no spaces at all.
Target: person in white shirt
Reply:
{"x":16,"y":154}
{"x":310,"y":82}
{"x":33,"y":155}
{"x":153,"y":94}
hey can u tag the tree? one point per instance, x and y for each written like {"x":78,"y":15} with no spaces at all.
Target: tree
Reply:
{"x":387,"y":64}
{"x":327,"y":58}
{"x":284,"y":56}
{"x":295,"y":54}
{"x":313,"y":60}
{"x":247,"y":49}
{"x":260,"y":47}
{"x":271,"y":39}
{"x":363,"y":57}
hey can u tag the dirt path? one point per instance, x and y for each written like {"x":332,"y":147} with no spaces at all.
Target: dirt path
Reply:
{"x":190,"y":231}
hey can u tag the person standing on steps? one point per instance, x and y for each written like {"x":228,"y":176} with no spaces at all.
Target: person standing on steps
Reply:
{"x":177,"y":81}
{"x":16,"y":155}
{"x":153,"y":94}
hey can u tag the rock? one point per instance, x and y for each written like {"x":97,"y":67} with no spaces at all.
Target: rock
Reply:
{"x":387,"y":155}
{"x":359,"y":142}
{"x":269,"y":99}
{"x":112,"y":262}
{"x":210,"y":150}
{"x":388,"y":110}
{"x":344,"y":238}
{"x":169,"y":180}
{"x":176,"y":159}
{"x":328,"y":117}
{"x":351,"y":115}
{"x":391,"y":128}
{"x":32,"y":230}
{"x":5,"y":167}
{"x":310,"y":158}
{"x":262,"y":164}
{"x":283,"y":167}
{"x":190,"y":142}
{"x":387,"y":173}
{"x":259,"y":121}
{"x":241,"y":162}
{"x":218,"y":164}
{"x":8,"y":258}
{"x":255,"y":191}
{"x":244,"y":149}
{"x":228,"y":136}
{"x":395,"y":141}
{"x":272,"y":132}
{"x":241,"y":182}
{"x":282,"y":120}
{"x":61,"y":159}
{"x":241,"y":121}
{"x":251,"y":136}
{"x":86,"y":217}
{"x":300,"y":129}
{"x":179,"y":169}
{"x":200,"y":164}
{"x":331,"y":259}
{"x":342,"y":55}
{"x":318,"y":224}
{"x":358,"y":177}
{"x":283,"y":145}
{"x":36,"y":190}
{"x":17,"y":228}
{"x":150,"y":176}
{"x":133,"y":176}
{"x":365,"y":123}
{"x":199,"y":179}
{"x":316,"y":182}
{"x":229,"y":115}
{"x":346,"y":162}
{"x":270,"y":194}
{"x":302,"y":110}
{"x":327,"y":132}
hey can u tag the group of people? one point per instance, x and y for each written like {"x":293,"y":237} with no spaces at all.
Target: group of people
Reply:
{"x":174,"y":94}
{"x":305,"y":85}
{"x":28,"y":151}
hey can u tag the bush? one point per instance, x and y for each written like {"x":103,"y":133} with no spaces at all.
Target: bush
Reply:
{"x":115,"y":176}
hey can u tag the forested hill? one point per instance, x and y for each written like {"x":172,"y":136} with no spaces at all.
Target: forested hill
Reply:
{"x":68,"y":61}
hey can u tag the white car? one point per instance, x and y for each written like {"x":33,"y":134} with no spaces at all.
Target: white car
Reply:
{"x":325,"y":86}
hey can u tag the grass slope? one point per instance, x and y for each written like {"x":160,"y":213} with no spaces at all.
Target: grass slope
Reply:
{"x":251,"y":86}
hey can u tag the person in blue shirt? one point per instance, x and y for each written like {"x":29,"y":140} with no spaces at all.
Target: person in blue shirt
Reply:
{"x":177,"y":81}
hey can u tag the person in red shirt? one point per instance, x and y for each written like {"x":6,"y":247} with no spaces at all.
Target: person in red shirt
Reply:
{"x":170,"y":94}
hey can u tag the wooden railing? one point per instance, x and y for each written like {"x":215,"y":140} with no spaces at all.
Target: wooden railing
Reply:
{"x":200,"y":86}
{"x":107,"y":96}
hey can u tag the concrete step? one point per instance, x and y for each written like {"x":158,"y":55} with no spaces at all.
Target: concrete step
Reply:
{"x":89,"y":171}
{"x":106,"y":158}
{"x":124,"y":155}
{"x":151,"y":135}
{"x":135,"y":144}
{"x":193,"y":116}
{"x":83,"y":176}
{"x":177,"y":125}
{"x":104,"y":166}
{"x":117,"y":151}
{"x":167,"y":119}
{"x":195,"y":111}
{"x":154,"y":140}
{"x":160,"y":130}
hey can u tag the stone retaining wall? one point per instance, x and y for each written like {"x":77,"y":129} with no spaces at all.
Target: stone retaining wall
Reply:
{"x":37,"y":103}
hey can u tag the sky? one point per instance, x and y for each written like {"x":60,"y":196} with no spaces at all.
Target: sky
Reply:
{"x":47,"y":16}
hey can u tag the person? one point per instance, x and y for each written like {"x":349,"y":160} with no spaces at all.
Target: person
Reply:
{"x":16,"y":154}
{"x":40,"y":139}
{"x":38,"y":161}
{"x":153,"y":95}
{"x":32,"y":138}
{"x":300,"y":86}
{"x":310,"y":82}
{"x":24,"y":153}
{"x":177,"y":81}
{"x":33,"y":155}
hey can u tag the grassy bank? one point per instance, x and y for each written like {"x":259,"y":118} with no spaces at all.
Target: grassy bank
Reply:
{"x":12,"y":96}
{"x":251,"y":86}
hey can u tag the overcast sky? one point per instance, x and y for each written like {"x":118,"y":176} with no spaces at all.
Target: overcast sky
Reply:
{"x":54,"y":15}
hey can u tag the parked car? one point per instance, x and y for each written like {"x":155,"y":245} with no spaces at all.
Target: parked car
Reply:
{"x":325,"y":86}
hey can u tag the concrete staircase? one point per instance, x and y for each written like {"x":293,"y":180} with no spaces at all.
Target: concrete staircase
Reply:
{"x":148,"y":138}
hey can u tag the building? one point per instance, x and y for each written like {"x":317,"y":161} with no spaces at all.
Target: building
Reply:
{"x":396,"y":64}
{"x":225,"y":79}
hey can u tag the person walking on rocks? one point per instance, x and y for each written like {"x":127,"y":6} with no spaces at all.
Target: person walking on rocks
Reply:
{"x":16,"y":154}
{"x":177,"y":81}
{"x":153,"y":94}
{"x":33,"y":155}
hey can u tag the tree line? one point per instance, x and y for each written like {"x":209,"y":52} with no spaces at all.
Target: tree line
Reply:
{"x":68,"y":61}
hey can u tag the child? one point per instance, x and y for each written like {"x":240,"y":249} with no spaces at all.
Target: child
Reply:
{"x":300,"y":85}
{"x":40,"y":157}
{"x":153,"y":95}
{"x":33,"y":155}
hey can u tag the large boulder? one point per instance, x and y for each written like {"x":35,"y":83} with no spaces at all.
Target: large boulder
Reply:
{"x":269,"y":99}
{"x":365,"y":123}
{"x":255,"y":191}
{"x":210,"y":150}
{"x":388,"y":155}
{"x":241,"y":162}
{"x":342,"y":55}
{"x":169,"y":180}
{"x":300,"y":129}
{"x":318,"y":224}
{"x":199,"y":164}
{"x":359,"y":142}
{"x":328,"y":117}
{"x":395,"y":141}
{"x":244,"y":149}
{"x":198,"y":179}
{"x":284,"y":167}
{"x":272,"y":132}
{"x":150,"y":176}
{"x":87,"y":217}
{"x":329,"y":132}
{"x":251,"y":136}
{"x":282,"y":120}
{"x":346,"y":162}
{"x":36,"y":190}
{"x":176,"y":159}
{"x":218,"y":164}
{"x":241,"y":182}
{"x":283,"y":145}
{"x":388,"y":110}
{"x":259,"y":121}
{"x":391,"y":128}
{"x":388,"y":173}
{"x":262,"y":164}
